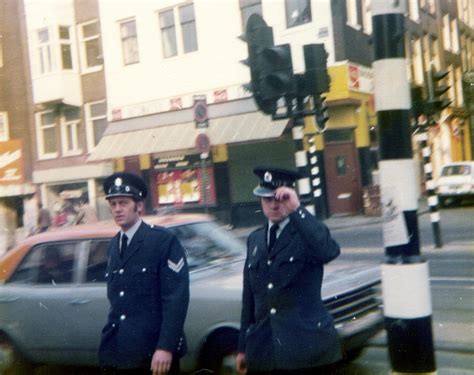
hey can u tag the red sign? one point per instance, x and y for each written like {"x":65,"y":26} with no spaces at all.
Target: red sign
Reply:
{"x":354,"y":77}
{"x":176,"y":103}
{"x":203,"y":143}
{"x":200,"y":112}
{"x":220,"y":96}
{"x":11,"y":162}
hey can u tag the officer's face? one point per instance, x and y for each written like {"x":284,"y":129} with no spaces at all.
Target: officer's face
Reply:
{"x":274,"y":209}
{"x":125,"y":211}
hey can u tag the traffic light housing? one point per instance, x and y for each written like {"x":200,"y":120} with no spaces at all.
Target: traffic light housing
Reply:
{"x":259,"y":36}
{"x":316,"y":75}
{"x":436,"y":90}
{"x":417,"y":103}
{"x":277,"y":72}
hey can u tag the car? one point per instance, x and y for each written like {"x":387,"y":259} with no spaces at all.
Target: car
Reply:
{"x":456,"y":182}
{"x":53,"y":301}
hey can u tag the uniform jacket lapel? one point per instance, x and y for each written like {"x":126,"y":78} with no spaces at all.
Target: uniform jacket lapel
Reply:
{"x":283,"y":240}
{"x":135,"y":244}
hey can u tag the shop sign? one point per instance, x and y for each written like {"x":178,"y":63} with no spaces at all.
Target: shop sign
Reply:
{"x":360,"y":78}
{"x":177,"y":162}
{"x":11,"y":162}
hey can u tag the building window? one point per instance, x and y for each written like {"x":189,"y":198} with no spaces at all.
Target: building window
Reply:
{"x":458,"y":86}
{"x":91,"y":49}
{"x":44,"y":51}
{"x":65,"y":45}
{"x":417,"y":62}
{"x":414,"y":10}
{"x":454,"y":36}
{"x":70,"y":131}
{"x":247,"y":8}
{"x":96,"y":122}
{"x":352,"y":14}
{"x":46,"y":134}
{"x":366,"y":17}
{"x":447,"y":33}
{"x":169,"y":32}
{"x":128,"y":34}
{"x":4,"y":130}
{"x":298,"y":12}
{"x":188,"y":28}
{"x":435,"y":53}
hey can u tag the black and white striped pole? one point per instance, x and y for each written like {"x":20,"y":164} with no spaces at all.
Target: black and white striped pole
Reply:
{"x":430,"y":186}
{"x":405,"y":274}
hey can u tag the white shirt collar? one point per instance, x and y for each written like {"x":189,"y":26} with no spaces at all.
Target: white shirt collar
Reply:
{"x":131,"y":231}
{"x":281,"y":225}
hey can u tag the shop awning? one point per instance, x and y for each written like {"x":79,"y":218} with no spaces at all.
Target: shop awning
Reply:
{"x":223,"y":130}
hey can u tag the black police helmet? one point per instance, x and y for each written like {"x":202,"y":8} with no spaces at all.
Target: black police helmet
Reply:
{"x":272,"y":178}
{"x":123,"y":184}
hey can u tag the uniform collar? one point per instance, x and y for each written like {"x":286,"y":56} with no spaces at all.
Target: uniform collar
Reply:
{"x":132,"y":230}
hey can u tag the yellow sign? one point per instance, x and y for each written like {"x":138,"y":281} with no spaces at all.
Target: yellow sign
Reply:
{"x":11,"y":162}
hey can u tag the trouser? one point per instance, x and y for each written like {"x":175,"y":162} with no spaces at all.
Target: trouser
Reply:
{"x":174,"y":370}
{"x":320,"y":370}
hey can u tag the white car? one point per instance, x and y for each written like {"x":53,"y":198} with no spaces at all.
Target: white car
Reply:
{"x":456,"y":182}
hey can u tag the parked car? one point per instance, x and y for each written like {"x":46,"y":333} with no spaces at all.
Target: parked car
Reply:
{"x":456,"y":182}
{"x":53,"y":301}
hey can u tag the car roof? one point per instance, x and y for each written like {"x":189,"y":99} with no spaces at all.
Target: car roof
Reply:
{"x":101,"y":229}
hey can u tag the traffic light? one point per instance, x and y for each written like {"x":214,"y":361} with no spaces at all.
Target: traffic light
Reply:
{"x":259,"y":36}
{"x":436,"y":103}
{"x":316,"y":75}
{"x":278,"y":78}
{"x":417,"y":103}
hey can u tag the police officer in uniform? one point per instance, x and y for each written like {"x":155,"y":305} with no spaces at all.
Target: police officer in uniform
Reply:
{"x":285,"y":328}
{"x":147,"y":286}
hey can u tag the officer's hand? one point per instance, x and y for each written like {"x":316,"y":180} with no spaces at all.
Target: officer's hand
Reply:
{"x":288,"y":198}
{"x":240,"y":364}
{"x":161,"y":362}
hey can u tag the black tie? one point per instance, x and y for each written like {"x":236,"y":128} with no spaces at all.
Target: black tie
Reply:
{"x":273,"y":236}
{"x":123,"y":244}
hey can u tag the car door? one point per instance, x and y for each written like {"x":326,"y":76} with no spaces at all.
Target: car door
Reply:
{"x":87,"y":309}
{"x":35,"y":300}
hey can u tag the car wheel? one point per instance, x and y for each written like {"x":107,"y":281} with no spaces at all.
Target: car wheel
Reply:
{"x":220,"y":353}
{"x":11,"y":362}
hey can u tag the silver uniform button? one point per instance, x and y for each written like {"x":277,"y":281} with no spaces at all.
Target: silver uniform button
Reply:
{"x":291,"y":259}
{"x":121,"y":271}
{"x":270,"y":286}
{"x":273,"y":311}
{"x":123,"y":317}
{"x":121,"y":293}
{"x":143,"y":269}
{"x":269,"y":262}
{"x":113,"y":325}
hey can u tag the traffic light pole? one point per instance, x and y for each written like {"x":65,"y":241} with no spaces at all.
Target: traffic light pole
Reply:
{"x":430,"y":185}
{"x":405,"y":275}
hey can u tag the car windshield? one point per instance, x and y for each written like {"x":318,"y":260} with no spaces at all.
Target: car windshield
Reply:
{"x":208,"y":244}
{"x":456,"y":170}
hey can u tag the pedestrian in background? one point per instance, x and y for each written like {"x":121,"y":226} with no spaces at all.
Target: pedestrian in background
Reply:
{"x":86,"y":214}
{"x":147,"y":286}
{"x":285,"y":328}
{"x":44,"y":219}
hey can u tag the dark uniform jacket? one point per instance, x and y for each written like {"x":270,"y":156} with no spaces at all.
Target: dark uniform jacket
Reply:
{"x":148,"y":290}
{"x":285,"y":325}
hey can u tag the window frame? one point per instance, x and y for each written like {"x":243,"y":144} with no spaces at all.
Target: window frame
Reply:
{"x":40,"y":139}
{"x":352,"y":14}
{"x":62,"y":42}
{"x":288,"y":12}
{"x":83,"y":41}
{"x":72,"y":125}
{"x":182,"y":25}
{"x":44,"y":52}
{"x":133,"y":40}
{"x":164,"y":30}
{"x":90,"y":128}
{"x":5,"y":132}
{"x":245,"y":6}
